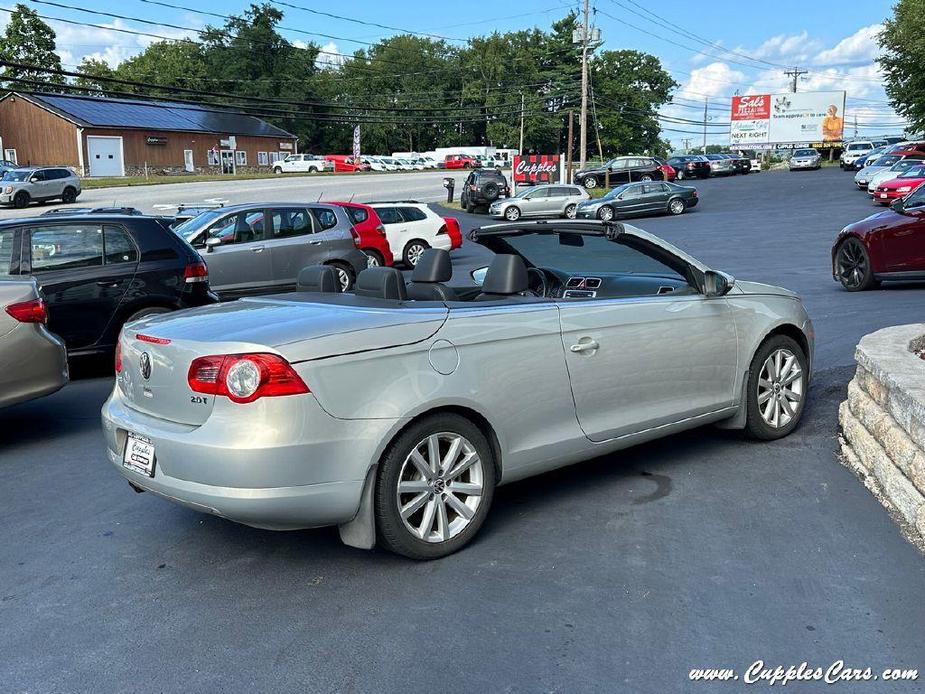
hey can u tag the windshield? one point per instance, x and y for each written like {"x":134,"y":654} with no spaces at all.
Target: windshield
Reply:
{"x":193,"y":225}
{"x":17,"y":175}
{"x":887,"y":160}
{"x":616,"y":191}
{"x":804,"y":153}
{"x":914,"y":172}
{"x":858,"y":146}
{"x":915,"y":199}
{"x":905,"y":164}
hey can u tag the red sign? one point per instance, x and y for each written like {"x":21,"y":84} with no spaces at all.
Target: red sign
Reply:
{"x":536,"y":168}
{"x":751,"y":107}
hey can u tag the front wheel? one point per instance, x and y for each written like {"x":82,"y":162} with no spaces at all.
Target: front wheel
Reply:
{"x":571,"y":211}
{"x":69,"y":196}
{"x":646,"y":178}
{"x":680,"y":175}
{"x":777,"y":386}
{"x":277,"y":170}
{"x":413,"y":252}
{"x":512,"y":213}
{"x":373,"y":258}
{"x":852,"y":266}
{"x":21,"y":200}
{"x":434,"y":487}
{"x":605,"y":214}
{"x":590,"y":183}
{"x":676,"y":206}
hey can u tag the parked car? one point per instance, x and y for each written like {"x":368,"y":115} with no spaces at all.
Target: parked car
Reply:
{"x":741,"y":164}
{"x":802,"y":159}
{"x":690,"y":166}
{"x":34,"y":360}
{"x":483,"y":187}
{"x":883,"y":164}
{"x":39,"y":184}
{"x":620,"y":170}
{"x":390,"y":164}
{"x":669,"y":173}
{"x":639,"y":198}
{"x":460,"y":161}
{"x":720,"y":165}
{"x":396,"y":419}
{"x":302,"y":163}
{"x":375,"y":163}
{"x":888,"y":245}
{"x":98,"y":272}
{"x":412,"y":227}
{"x":260,"y":248}
{"x":889,"y":190}
{"x":73,"y":211}
{"x":345,"y":163}
{"x":892,"y":172}
{"x":430,"y":162}
{"x":861,"y":162}
{"x":854,"y":151}
{"x":373,"y":241}
{"x":548,"y":200}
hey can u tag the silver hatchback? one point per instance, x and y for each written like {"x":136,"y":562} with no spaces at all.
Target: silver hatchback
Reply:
{"x":548,"y":200}
{"x":39,"y":184}
{"x":260,"y":248}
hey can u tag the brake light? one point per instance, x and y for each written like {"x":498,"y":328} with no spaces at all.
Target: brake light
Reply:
{"x":196,"y":272}
{"x":33,"y":311}
{"x":152,"y":340}
{"x":244,"y":378}
{"x":119,"y":357}
{"x":472,"y":186}
{"x":356,"y":236}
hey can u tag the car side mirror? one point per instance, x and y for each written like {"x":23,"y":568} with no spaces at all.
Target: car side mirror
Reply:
{"x":478,"y":276}
{"x":212,"y":243}
{"x":33,"y":179}
{"x":717,"y":283}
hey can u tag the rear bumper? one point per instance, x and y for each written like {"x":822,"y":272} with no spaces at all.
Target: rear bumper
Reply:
{"x":303,"y":469}
{"x":34,"y":364}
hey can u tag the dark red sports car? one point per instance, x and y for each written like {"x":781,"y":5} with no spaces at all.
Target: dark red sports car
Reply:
{"x":889,"y":245}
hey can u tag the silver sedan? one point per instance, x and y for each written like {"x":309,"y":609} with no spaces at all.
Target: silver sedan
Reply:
{"x":34,"y":360}
{"x":396,"y":419}
{"x":547,"y":200}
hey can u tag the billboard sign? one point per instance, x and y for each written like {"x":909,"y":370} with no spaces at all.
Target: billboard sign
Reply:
{"x":760,"y":121}
{"x":536,"y":168}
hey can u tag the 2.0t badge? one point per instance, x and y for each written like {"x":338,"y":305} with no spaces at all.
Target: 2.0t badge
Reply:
{"x":144,"y":365}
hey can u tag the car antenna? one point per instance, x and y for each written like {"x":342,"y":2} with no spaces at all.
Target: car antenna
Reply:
{"x":320,"y":195}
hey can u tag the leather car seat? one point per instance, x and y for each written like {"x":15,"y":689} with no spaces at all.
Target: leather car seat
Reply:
{"x":432,"y":270}
{"x":506,"y":279}
{"x":318,"y":278}
{"x":381,"y":283}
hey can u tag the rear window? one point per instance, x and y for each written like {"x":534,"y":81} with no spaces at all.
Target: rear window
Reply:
{"x":388,"y":215}
{"x":859,"y":146}
{"x":412,"y":214}
{"x":325,"y":217}
{"x":358,"y":215}
{"x":66,"y":246}
{"x":6,"y":251}
{"x":118,"y":247}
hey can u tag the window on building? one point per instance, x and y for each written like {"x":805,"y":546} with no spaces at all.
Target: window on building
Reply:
{"x":213,"y":157}
{"x":10,"y":156}
{"x":240,"y":157}
{"x":274,"y":157}
{"x":263,"y":159}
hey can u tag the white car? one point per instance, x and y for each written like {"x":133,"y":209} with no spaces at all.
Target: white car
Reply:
{"x":375,"y":163}
{"x":411,"y":228}
{"x":854,"y":151}
{"x":390,"y":164}
{"x":430,"y":162}
{"x":302,"y":163}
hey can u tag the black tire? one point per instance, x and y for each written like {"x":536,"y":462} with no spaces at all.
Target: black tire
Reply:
{"x":21,"y":200}
{"x":571,"y":211}
{"x":605,"y":213}
{"x":680,"y":175}
{"x":852,"y":266}
{"x":390,"y":528}
{"x":345,"y":275}
{"x":490,"y":191}
{"x":470,"y":208}
{"x":646,"y":178}
{"x":69,"y":196}
{"x":413,"y":251}
{"x":755,"y":425}
{"x":277,"y":170}
{"x":590,"y":183}
{"x":373,"y":258}
{"x":512,"y":213}
{"x":676,"y":206}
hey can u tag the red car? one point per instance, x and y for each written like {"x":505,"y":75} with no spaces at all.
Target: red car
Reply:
{"x":889,"y":245}
{"x":667,"y":169}
{"x":346,"y":163}
{"x":372,"y":240}
{"x":899,"y":187}
{"x":453,"y":231}
{"x":460,"y":161}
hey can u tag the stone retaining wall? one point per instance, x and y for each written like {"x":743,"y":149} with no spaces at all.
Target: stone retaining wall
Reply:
{"x":883,"y":424}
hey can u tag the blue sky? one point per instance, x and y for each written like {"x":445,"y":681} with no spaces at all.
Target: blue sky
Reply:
{"x":835,"y":41}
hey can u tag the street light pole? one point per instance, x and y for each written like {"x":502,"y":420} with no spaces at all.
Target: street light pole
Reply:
{"x":706,"y":102}
{"x":583,"y":120}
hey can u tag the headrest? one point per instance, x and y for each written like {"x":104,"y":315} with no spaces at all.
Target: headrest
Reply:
{"x":433,"y":266}
{"x":318,"y":278}
{"x":507,"y":274}
{"x":381,"y":283}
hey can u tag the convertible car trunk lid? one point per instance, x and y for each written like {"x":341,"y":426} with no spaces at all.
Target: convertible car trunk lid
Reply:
{"x":157,"y":352}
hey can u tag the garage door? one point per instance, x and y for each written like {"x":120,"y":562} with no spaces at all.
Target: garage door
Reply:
{"x":105,"y":154}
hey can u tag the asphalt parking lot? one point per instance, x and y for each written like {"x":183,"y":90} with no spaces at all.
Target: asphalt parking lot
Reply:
{"x":622,"y":574}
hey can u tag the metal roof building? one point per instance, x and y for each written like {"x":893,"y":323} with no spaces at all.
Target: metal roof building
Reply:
{"x":115,"y":137}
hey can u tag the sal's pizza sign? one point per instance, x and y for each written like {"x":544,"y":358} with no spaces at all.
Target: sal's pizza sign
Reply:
{"x":536,"y":168}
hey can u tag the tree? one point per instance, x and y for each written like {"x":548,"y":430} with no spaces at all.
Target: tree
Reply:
{"x":29,"y":41}
{"x":91,"y":69}
{"x":903,"y":61}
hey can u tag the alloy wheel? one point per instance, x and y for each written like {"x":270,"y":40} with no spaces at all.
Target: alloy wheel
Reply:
{"x":590,"y":182}
{"x":780,"y":388}
{"x":646,"y":177}
{"x":344,"y":278}
{"x":440,"y":487}
{"x":414,"y":253}
{"x":512,"y":214}
{"x":676,"y":206}
{"x":571,"y":211}
{"x":605,"y":214}
{"x":372,"y":260}
{"x":851,"y":264}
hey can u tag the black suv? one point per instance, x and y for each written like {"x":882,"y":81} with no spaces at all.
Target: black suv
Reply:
{"x":100,"y":271}
{"x":483,"y":187}
{"x":621,"y":170}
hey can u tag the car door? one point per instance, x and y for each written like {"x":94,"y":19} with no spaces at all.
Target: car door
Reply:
{"x":535,"y":202}
{"x":57,"y":179}
{"x":240,"y":264}
{"x":654,"y":197}
{"x":630,"y":201}
{"x":903,"y":242}
{"x":83,"y":291}
{"x":640,"y":362}
{"x":293,"y":244}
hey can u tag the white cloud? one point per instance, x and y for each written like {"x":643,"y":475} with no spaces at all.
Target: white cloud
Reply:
{"x":325,"y":59}
{"x":858,"y":49}
{"x":77,"y":42}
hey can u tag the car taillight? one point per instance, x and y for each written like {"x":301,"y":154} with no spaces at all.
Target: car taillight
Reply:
{"x":118,"y":357}
{"x":243,"y":378}
{"x":694,"y":194}
{"x":33,"y":311}
{"x":195,"y":272}
{"x":472,"y":186}
{"x":356,"y":236}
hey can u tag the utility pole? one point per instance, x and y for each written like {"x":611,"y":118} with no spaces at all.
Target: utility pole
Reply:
{"x":583,"y":120}
{"x":795,"y":74}
{"x":521,"y":148}
{"x":568,"y":152}
{"x":706,"y":103}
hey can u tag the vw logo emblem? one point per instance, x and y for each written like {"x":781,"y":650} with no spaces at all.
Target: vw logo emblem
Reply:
{"x":144,"y":365}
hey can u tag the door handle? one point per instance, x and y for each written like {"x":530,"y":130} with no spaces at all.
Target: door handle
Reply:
{"x":259,"y":249}
{"x":583,"y":346}
{"x":108,"y":284}
{"x":314,"y":243}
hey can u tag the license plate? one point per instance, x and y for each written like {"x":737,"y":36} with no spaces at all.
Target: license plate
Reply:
{"x":882,"y":195}
{"x":139,"y":455}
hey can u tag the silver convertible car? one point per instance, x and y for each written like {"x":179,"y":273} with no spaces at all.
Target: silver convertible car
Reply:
{"x":395,"y":410}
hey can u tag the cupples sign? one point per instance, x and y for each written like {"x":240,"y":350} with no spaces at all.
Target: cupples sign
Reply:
{"x":535,"y":168}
